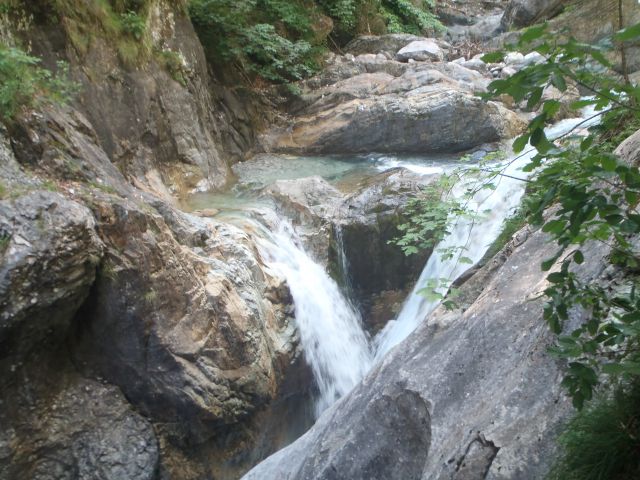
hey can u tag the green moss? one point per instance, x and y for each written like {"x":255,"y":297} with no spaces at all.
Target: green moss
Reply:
{"x":101,"y":186}
{"x":3,"y":191}
{"x":5,"y":239}
{"x":172,"y":62}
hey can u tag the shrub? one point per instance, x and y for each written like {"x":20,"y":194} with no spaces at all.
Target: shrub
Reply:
{"x":23,"y":82}
{"x":602,"y":442}
{"x":276,"y":39}
{"x":133,"y":24}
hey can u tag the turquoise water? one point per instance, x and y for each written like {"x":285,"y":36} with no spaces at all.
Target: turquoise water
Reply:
{"x":343,"y":172}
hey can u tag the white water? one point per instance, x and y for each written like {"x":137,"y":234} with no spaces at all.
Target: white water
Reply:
{"x":334,"y":342}
{"x":472,"y":239}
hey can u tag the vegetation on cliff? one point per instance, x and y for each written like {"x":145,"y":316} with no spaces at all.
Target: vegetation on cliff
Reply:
{"x":280,"y":40}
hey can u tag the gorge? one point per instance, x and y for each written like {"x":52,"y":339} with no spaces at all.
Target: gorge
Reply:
{"x":199,"y":269}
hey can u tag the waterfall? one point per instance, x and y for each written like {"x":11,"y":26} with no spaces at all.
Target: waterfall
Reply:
{"x":344,"y":263}
{"x":334,"y":342}
{"x":472,"y":236}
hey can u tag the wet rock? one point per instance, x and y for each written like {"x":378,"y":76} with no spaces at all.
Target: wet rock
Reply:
{"x":310,"y":203}
{"x":368,"y":220}
{"x":421,"y":51}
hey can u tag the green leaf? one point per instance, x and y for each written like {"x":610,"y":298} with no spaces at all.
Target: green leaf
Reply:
{"x":578,"y":257}
{"x":612,"y":368}
{"x":557,"y":80}
{"x":628,"y":33}
{"x":532,"y":33}
{"x":556,"y":277}
{"x":520,"y":142}
{"x":609,"y":163}
{"x":554,"y":226}
{"x":493,"y":57}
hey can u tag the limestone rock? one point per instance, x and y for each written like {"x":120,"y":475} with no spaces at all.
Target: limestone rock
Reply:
{"x":421,"y":51}
{"x":75,"y":429}
{"x":380,"y":43}
{"x":629,"y":150}
{"x":428,"y":119}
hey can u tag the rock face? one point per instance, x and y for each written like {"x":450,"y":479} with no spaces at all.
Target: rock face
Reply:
{"x":350,"y":234}
{"x":427,"y":119}
{"x":367,"y":220}
{"x":489,"y":413}
{"x":156,"y":121}
{"x":76,"y":428}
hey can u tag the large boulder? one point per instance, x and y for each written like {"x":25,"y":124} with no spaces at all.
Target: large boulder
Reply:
{"x":421,"y":51}
{"x":490,"y":414}
{"x":427,"y":119}
{"x":380,"y":274}
{"x":390,"y":43}
{"x":182,"y":317}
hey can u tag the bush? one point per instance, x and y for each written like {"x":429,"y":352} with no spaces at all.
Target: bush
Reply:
{"x":133,"y":24}
{"x":24,"y":83}
{"x":602,"y":442}
{"x":276,"y":39}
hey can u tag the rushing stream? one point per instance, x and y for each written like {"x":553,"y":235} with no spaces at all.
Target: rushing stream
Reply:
{"x":471,"y":237}
{"x":334,"y":342}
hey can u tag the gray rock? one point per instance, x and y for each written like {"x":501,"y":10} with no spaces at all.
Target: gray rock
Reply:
{"x":76,"y":430}
{"x":514,"y":59}
{"x":629,"y":150}
{"x":520,"y":13}
{"x":432,"y":118}
{"x":475,"y":64}
{"x":532,"y":58}
{"x":49,"y":251}
{"x":421,"y":51}
{"x":383,"y":43}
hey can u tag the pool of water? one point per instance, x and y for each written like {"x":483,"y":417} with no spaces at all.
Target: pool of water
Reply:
{"x":343,"y":172}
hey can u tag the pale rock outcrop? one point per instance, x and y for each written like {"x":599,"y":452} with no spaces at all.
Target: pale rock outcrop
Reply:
{"x":421,"y":51}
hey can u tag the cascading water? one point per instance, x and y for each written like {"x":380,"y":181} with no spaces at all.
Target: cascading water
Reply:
{"x":334,"y":342}
{"x":472,"y":237}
